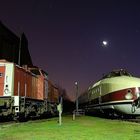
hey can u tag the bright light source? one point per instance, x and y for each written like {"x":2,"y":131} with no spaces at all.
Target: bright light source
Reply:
{"x":105,"y":43}
{"x":76,"y":83}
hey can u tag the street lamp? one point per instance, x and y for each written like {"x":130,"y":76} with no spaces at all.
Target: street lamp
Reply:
{"x":76,"y":85}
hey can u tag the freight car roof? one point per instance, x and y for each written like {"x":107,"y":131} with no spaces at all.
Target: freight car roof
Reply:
{"x":115,"y":73}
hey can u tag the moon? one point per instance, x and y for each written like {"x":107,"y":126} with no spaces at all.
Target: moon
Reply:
{"x":104,"y":43}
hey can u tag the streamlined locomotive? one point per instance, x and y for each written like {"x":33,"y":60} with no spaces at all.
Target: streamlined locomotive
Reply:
{"x":117,"y":93}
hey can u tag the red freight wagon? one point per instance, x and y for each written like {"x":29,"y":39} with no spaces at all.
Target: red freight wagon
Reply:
{"x":41,"y":84}
{"x":53,"y":93}
{"x":56,"y":94}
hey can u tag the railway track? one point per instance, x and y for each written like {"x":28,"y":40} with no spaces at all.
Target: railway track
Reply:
{"x":136,"y":120}
{"x":7,"y":124}
{"x":133,"y":120}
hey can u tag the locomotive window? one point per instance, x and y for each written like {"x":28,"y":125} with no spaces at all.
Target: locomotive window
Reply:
{"x":117,"y":73}
{"x":44,"y":73}
{"x":35,"y":71}
{"x":123,"y":72}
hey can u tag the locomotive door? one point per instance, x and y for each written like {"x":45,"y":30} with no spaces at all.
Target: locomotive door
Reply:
{"x":2,"y":71}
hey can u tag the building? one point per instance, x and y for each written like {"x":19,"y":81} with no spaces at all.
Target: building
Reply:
{"x":14,"y":48}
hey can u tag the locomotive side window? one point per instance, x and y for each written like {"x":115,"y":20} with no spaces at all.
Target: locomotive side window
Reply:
{"x":117,"y":73}
{"x":1,"y":74}
{"x":44,"y":73}
{"x":35,"y":71}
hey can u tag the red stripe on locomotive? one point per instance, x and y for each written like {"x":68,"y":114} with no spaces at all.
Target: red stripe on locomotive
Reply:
{"x":118,"y":95}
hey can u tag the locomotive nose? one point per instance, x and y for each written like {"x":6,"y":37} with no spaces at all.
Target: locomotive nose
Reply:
{"x":136,"y":101}
{"x":137,"y":92}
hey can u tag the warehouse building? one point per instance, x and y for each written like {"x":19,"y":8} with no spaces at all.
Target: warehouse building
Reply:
{"x":14,"y":48}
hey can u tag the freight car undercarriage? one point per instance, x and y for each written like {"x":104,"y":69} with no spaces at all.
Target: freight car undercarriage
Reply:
{"x":22,"y":108}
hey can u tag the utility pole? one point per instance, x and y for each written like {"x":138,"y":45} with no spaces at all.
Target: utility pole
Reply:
{"x":76,"y":84}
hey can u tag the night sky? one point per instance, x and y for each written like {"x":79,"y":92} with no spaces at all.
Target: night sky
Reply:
{"x":65,"y":37}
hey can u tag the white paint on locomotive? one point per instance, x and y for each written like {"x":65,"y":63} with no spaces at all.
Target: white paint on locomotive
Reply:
{"x":8,"y":79}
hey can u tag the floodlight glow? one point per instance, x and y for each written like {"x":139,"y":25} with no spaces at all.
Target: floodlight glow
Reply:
{"x":76,"y":83}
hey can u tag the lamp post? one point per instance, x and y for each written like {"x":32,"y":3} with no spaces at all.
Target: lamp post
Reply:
{"x":76,"y":85}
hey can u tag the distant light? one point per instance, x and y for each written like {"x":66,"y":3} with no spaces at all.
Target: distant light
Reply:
{"x":104,"y":43}
{"x":76,"y":83}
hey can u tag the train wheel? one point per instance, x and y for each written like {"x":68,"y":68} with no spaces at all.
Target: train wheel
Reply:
{"x":23,"y":117}
{"x":10,"y":117}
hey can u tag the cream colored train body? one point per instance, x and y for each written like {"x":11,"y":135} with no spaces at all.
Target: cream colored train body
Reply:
{"x":117,"y":92}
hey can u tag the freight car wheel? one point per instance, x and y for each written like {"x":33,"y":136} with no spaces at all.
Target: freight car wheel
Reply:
{"x":23,"y":117}
{"x":10,"y":117}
